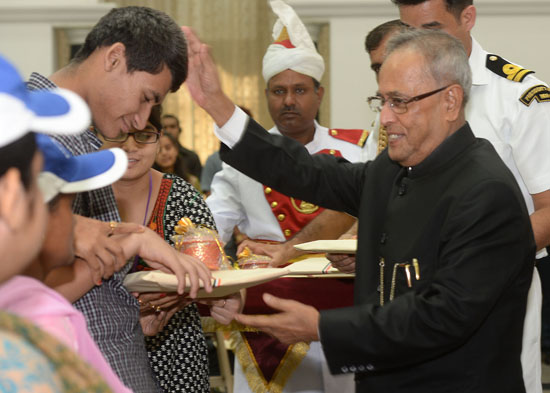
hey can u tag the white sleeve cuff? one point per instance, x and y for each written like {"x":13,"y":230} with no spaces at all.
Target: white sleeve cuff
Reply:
{"x":231,"y":132}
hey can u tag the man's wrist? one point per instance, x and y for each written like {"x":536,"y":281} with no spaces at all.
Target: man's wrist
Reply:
{"x":220,"y":108}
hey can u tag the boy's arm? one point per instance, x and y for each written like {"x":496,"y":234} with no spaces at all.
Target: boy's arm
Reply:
{"x":75,"y":280}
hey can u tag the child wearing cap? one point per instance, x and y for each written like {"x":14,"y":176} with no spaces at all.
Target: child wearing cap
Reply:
{"x":32,"y":360}
{"x":25,"y":295}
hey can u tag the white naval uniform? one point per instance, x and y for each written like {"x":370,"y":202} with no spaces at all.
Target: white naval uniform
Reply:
{"x":521,"y":136}
{"x":238,"y":200}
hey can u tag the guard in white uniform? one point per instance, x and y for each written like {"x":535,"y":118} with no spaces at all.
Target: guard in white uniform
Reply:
{"x":237,"y":200}
{"x":508,"y":106}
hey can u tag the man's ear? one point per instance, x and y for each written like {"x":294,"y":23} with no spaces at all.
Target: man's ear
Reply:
{"x":468,"y":17}
{"x":320,"y":93}
{"x":453,"y":98}
{"x":115,"y":56}
{"x":12,"y":199}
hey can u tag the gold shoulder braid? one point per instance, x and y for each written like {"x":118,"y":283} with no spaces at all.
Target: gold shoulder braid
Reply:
{"x":506,"y":69}
{"x":77,"y":376}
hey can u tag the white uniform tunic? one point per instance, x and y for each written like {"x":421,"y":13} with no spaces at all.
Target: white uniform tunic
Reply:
{"x":238,"y":200}
{"x":521,"y":136}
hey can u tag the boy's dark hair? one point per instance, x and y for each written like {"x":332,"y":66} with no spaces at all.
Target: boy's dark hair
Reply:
{"x":19,"y":155}
{"x":453,"y":6}
{"x":376,"y":36}
{"x":152,"y":40}
{"x":154,"y":117}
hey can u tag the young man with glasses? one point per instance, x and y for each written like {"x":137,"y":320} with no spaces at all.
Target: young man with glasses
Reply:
{"x":445,"y":245}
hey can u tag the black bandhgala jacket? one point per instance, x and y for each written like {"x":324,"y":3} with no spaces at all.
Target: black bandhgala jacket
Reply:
{"x":452,"y":320}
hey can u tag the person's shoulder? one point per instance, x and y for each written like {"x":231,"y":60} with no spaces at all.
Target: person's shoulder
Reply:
{"x":39,"y":372}
{"x":180,"y":185}
{"x":505,"y":69}
{"x":355,"y":136}
{"x":522,"y":82}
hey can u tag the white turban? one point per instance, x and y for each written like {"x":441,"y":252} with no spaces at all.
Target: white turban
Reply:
{"x":293,"y":48}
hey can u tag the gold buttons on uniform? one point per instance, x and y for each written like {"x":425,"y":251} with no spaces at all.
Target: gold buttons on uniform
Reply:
{"x":268,"y":190}
{"x":288,"y":232}
{"x":493,"y":58}
{"x":274,"y":204}
{"x":333,"y":132}
{"x":281,"y":217}
{"x":332,"y":151}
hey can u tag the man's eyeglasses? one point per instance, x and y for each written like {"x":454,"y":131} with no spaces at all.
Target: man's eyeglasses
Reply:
{"x":143,"y":137}
{"x":398,"y":105}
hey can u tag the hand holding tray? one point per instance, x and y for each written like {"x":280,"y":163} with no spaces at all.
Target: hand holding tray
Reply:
{"x":224,"y":282}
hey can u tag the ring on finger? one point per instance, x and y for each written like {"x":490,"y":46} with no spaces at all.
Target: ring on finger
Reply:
{"x":112,"y":225}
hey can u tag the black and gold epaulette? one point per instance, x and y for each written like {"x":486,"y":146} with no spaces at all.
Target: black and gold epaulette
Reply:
{"x":506,"y":69}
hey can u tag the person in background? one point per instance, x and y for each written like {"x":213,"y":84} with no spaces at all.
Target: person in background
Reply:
{"x":190,"y":159}
{"x":31,"y":359}
{"x":292,"y":69}
{"x":174,"y":337}
{"x":322,"y":226}
{"x":169,"y":161}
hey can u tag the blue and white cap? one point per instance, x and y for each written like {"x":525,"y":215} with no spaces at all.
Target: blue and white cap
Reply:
{"x":64,"y":173}
{"x":57,"y":111}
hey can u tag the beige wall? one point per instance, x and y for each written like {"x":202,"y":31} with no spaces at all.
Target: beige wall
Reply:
{"x":516,"y":30}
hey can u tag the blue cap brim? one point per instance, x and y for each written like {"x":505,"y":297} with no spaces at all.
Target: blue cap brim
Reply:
{"x":56,"y":111}
{"x":65,"y":173}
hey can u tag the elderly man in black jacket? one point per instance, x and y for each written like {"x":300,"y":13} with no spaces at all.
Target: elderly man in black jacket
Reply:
{"x":445,"y":247}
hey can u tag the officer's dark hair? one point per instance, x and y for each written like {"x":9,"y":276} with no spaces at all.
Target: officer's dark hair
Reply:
{"x":19,"y":155}
{"x":455,"y":7}
{"x":152,"y":40}
{"x":376,"y":36}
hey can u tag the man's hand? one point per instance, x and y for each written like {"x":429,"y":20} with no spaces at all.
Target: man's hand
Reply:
{"x":224,"y":309}
{"x":94,"y":244}
{"x":160,"y":255}
{"x":203,"y":81}
{"x":296,"y":323}
{"x":157,"y":301}
{"x":343,"y":262}
{"x":153,"y":322}
{"x":280,"y":254}
{"x":156,"y":309}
